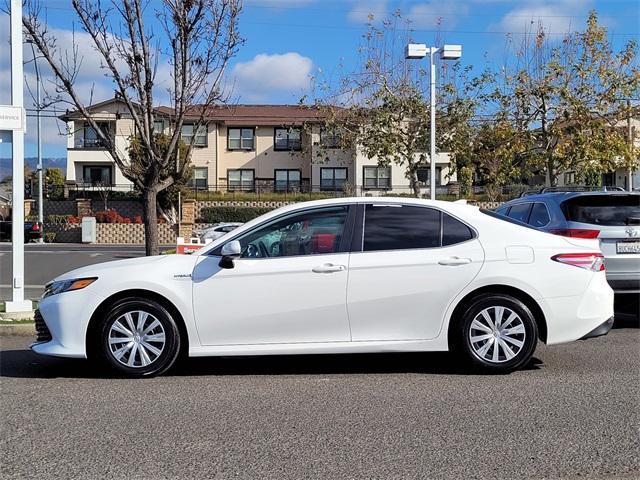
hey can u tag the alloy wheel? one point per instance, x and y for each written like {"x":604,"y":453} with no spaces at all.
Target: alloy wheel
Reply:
{"x":136,"y":339}
{"x":497,"y":334}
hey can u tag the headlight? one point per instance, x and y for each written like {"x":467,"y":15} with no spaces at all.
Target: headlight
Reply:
{"x":62,"y":286}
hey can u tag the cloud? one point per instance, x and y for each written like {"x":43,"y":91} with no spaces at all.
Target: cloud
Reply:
{"x":434,"y":14}
{"x":555,"y":17}
{"x":271,"y":74}
{"x":362,"y":10}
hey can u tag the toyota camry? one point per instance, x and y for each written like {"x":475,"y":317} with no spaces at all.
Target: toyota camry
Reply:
{"x":337,"y":276}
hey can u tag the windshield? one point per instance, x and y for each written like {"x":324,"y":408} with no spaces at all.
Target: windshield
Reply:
{"x":603,"y":209}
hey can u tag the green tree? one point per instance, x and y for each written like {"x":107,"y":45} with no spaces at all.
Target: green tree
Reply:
{"x":567,"y":100}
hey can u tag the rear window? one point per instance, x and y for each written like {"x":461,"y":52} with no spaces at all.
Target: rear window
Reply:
{"x":603,"y":209}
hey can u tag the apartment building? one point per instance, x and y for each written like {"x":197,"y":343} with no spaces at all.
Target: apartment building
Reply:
{"x":245,"y":147}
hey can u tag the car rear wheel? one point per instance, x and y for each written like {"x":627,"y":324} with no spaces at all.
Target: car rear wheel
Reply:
{"x":139,"y":338}
{"x":497,"y":333}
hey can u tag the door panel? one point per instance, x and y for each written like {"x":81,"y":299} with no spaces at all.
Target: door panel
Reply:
{"x":272,"y":300}
{"x":403,"y":294}
{"x":290,"y":285}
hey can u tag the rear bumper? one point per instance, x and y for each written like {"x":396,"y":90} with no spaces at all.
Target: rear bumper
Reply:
{"x":600,"y":330}
{"x":574,"y":317}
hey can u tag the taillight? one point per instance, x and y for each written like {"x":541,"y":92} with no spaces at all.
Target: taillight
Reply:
{"x":576,"y":232}
{"x":588,"y":261}
{"x":36,"y":227}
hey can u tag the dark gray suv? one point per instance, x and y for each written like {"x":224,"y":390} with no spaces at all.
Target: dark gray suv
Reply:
{"x":611,"y":217}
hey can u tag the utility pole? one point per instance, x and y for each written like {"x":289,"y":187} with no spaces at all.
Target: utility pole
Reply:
{"x":18,"y":303}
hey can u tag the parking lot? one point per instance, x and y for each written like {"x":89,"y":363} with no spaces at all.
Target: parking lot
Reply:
{"x":572,"y":414}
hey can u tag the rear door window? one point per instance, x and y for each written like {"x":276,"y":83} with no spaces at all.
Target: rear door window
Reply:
{"x":539,"y":215}
{"x":400,"y":227}
{"x":520,"y":212}
{"x":609,"y":210}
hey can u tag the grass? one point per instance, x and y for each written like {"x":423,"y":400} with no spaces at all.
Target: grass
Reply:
{"x":16,"y":322}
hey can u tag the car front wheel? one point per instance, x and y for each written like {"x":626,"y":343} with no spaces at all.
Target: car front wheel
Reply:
{"x":139,"y":337}
{"x":497,"y":333}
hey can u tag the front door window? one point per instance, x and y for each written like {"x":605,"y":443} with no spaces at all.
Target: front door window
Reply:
{"x":313,"y":232}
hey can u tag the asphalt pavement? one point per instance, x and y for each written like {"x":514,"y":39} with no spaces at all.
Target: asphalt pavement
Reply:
{"x":45,"y":261}
{"x":573,"y":413}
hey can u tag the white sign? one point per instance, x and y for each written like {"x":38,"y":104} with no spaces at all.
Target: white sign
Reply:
{"x":12,"y":118}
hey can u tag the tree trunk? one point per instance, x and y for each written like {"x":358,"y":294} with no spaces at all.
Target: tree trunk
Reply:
{"x":551,"y":172}
{"x":413,"y":182}
{"x":149,"y":205}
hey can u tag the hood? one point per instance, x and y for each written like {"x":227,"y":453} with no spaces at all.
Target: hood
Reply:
{"x":96,"y":269}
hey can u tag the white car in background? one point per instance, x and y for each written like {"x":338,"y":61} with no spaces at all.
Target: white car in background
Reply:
{"x":348,"y":275}
{"x":216,"y":231}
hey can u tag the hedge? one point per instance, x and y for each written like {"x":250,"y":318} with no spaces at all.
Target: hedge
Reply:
{"x":230,"y":214}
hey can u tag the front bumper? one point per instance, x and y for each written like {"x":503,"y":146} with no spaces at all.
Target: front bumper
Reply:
{"x":62,"y":322}
{"x":600,"y":330}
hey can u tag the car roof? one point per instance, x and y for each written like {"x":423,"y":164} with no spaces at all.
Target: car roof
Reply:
{"x":558,"y":197}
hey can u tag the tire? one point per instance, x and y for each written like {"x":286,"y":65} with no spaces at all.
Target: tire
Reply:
{"x":496,"y":350}
{"x":138,"y":338}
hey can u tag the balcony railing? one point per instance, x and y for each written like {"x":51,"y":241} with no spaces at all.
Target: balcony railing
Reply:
{"x":89,"y":143}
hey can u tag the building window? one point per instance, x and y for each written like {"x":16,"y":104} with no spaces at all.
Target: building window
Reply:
{"x":287,"y":139}
{"x":287,"y":180}
{"x":188,"y":131}
{"x":330,"y":138}
{"x":90,"y":138}
{"x":241,"y":179}
{"x":424,"y":174}
{"x":569,"y":178}
{"x":378,"y":178}
{"x":96,"y":174}
{"x":240,"y":138}
{"x":609,"y":179}
{"x":158,"y":126}
{"x":200,"y":176}
{"x":333,"y":179}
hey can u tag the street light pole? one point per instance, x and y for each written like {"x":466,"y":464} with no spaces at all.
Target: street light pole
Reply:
{"x":417,"y":51}
{"x":432,"y":154}
{"x":40,"y":173}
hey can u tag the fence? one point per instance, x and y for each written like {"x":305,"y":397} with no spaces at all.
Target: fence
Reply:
{"x":271,"y":192}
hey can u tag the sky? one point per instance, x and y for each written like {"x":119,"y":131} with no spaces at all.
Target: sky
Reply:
{"x":288,"y":43}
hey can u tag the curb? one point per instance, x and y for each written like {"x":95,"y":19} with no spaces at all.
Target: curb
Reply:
{"x":18,"y":330}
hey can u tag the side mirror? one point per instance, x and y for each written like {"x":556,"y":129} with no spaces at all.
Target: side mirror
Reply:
{"x":230,"y":251}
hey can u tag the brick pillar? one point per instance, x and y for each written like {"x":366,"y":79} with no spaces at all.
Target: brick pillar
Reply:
{"x":185,"y":229}
{"x":83,"y":207}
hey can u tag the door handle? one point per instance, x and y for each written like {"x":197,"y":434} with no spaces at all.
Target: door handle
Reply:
{"x":328,"y":268}
{"x":453,"y":261}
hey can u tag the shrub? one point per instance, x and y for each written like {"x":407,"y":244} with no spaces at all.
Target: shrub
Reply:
{"x":108,"y":216}
{"x":50,"y":237}
{"x":137,"y":220}
{"x":230,"y":214}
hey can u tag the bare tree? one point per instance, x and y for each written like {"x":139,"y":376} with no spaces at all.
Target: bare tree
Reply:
{"x":198,"y":39}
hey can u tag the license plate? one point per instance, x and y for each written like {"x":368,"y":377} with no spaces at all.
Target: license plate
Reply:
{"x":628,"y":247}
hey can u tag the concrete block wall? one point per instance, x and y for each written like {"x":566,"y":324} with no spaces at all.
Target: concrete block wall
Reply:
{"x":132,"y":233}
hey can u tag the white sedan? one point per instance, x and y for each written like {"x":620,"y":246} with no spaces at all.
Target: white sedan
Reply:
{"x":337,"y":276}
{"x":216,"y":231}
